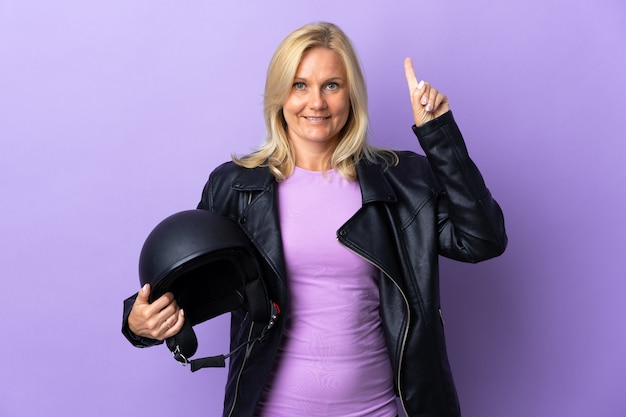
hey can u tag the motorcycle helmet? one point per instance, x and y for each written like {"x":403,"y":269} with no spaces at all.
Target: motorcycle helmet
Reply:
{"x":209,"y":264}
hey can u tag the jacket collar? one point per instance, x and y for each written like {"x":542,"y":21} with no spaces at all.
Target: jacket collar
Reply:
{"x":255,"y":179}
{"x":373,"y":182}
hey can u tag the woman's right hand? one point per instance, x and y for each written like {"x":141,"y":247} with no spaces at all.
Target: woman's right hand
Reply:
{"x":428,"y":103}
{"x":157,"y":320}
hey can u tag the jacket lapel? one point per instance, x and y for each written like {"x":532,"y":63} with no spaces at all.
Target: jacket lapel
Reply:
{"x":371,"y":232}
{"x":374,"y":186}
{"x":259,"y":215}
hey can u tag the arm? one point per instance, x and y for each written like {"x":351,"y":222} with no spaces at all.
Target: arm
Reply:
{"x":470,"y":221}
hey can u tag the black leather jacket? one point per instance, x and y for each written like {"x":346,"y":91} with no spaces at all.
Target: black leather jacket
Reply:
{"x":411,"y":213}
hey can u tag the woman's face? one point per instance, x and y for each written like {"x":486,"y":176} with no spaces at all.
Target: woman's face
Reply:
{"x":318,"y":105}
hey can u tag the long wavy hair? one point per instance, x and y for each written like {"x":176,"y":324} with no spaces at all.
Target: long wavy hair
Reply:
{"x":277,"y":152}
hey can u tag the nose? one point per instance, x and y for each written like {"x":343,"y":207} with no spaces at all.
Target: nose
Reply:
{"x":316,"y":99}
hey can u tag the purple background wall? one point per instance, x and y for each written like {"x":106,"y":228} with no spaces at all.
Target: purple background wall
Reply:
{"x":113,"y":113}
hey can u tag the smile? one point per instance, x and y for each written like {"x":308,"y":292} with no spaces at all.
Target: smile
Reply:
{"x":317,"y":119}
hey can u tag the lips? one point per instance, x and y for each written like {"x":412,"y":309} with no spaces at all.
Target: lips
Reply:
{"x":316,"y":119}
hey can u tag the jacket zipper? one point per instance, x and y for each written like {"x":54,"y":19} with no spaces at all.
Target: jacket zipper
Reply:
{"x":406,"y":327}
{"x":245,"y":360}
{"x":243,"y":365}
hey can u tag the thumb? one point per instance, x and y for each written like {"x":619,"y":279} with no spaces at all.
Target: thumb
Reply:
{"x":143,"y":295}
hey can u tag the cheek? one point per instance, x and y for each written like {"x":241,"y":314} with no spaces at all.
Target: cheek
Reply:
{"x":288,"y":112}
{"x":344,"y":109}
{"x":343,"y":104}
{"x":293,"y":104}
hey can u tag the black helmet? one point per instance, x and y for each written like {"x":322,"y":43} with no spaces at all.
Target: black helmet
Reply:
{"x":208,"y":263}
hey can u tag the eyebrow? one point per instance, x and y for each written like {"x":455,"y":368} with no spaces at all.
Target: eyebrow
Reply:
{"x":327,"y":80}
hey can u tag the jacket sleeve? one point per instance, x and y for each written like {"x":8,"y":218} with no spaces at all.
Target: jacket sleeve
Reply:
{"x":470,"y":221}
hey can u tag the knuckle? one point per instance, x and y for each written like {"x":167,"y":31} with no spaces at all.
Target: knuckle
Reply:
{"x":152,"y":324}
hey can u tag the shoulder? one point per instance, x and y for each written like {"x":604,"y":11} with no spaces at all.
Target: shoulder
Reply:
{"x":232,"y":175}
{"x":229,"y":178}
{"x":408,"y":165}
{"x":412,"y":175}
{"x":410,"y":158}
{"x":220,"y":180}
{"x":397,"y":164}
{"x":221,"y":177}
{"x":226,"y":170}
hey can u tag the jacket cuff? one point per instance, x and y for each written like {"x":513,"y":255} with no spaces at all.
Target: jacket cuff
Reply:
{"x":431,"y":126}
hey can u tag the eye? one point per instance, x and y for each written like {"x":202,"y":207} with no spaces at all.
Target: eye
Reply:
{"x":332,"y":86}
{"x":299,"y":85}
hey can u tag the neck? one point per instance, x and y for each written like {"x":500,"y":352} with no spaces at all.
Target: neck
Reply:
{"x":311,"y":165}
{"x":313,"y":158}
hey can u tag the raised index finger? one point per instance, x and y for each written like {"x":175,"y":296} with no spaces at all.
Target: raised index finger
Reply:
{"x":410,"y":74}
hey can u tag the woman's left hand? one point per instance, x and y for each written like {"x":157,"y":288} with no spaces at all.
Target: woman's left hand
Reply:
{"x":428,"y":103}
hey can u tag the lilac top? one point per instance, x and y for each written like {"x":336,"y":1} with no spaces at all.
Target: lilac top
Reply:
{"x":333,"y":360}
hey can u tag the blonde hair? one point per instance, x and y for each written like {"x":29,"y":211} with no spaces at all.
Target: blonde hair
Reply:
{"x":277,"y":152}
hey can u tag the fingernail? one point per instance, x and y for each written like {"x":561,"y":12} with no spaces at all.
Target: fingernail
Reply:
{"x":429,"y":107}
{"x":424,"y":100}
{"x":420,"y":85}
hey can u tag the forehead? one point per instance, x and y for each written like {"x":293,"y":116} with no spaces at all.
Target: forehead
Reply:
{"x":321,"y":63}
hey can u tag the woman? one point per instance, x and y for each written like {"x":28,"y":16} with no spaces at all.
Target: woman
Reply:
{"x":350,"y":237}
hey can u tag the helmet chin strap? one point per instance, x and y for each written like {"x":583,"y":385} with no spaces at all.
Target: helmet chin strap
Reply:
{"x":184,"y":344}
